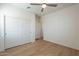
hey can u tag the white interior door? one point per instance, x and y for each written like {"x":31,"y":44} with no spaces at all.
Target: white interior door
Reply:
{"x":17,"y":31}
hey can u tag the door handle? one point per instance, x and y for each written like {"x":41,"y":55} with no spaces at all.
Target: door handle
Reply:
{"x":5,"y":33}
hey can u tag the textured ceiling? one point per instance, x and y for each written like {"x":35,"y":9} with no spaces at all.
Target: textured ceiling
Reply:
{"x":37,"y":8}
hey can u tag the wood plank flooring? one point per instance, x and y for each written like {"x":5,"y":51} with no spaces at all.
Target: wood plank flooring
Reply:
{"x":40,"y":48}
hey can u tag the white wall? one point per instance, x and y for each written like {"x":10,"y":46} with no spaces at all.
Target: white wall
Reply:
{"x":38,"y":27}
{"x":62,"y":27}
{"x":10,"y":10}
{"x":1,"y":35}
{"x":1,"y":30}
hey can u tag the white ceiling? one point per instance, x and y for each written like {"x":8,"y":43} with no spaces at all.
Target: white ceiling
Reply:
{"x":37,"y":8}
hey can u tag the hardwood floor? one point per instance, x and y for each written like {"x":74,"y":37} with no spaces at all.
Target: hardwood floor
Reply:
{"x":40,"y":48}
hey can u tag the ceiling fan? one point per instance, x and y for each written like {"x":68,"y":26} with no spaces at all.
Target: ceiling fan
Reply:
{"x":44,"y":5}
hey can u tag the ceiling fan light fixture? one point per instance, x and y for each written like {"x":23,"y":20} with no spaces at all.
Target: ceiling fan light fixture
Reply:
{"x":43,"y":5}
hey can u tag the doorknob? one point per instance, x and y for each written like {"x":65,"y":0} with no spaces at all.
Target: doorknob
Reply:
{"x":5,"y":33}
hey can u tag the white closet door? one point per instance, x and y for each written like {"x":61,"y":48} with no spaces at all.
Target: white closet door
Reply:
{"x":17,"y":31}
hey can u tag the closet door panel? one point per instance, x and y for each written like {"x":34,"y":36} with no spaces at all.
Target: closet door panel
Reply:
{"x":17,"y":31}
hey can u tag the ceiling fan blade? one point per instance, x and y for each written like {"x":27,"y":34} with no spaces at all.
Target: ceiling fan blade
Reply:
{"x":35,"y":3}
{"x":42,"y":9}
{"x":52,"y":5}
